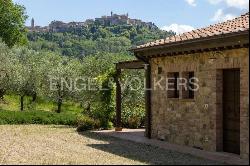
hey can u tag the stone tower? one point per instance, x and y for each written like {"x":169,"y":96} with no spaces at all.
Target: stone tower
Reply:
{"x":32,"y":23}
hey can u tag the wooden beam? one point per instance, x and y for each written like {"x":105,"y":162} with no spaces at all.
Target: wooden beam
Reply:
{"x":148,"y":101}
{"x":118,"y":101}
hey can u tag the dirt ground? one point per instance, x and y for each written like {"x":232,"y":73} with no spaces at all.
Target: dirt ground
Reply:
{"x":37,"y":144}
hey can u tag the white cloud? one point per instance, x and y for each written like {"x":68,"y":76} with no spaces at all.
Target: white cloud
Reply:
{"x":191,"y":2}
{"x":214,"y":2}
{"x":241,"y":4}
{"x":178,"y":29}
{"x":220,"y":16}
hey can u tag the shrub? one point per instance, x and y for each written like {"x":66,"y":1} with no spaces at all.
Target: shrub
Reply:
{"x":133,"y":117}
{"x":37,"y":117}
{"x":85,"y":123}
{"x":109,"y":125}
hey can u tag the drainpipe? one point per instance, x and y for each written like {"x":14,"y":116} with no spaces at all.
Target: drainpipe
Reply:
{"x":147,"y":95}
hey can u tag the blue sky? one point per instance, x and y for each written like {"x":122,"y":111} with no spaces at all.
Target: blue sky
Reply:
{"x":177,"y":15}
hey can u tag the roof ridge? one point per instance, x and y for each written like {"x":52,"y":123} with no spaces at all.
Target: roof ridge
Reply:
{"x":247,"y":13}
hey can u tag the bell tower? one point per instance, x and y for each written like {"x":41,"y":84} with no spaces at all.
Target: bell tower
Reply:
{"x":32,"y":23}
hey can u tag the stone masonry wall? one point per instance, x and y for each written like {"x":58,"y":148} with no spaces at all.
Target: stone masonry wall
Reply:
{"x":198,"y":122}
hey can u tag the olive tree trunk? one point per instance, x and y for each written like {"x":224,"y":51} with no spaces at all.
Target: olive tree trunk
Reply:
{"x":59,"y":100}
{"x":34,"y":97}
{"x":2,"y":92}
{"x":59,"y":105}
{"x":22,"y":102}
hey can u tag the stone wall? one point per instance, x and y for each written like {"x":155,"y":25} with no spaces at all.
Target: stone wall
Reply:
{"x":198,"y":122}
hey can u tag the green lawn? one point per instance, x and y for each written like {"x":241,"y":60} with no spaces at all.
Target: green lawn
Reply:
{"x":40,"y":112}
{"x":12,"y":103}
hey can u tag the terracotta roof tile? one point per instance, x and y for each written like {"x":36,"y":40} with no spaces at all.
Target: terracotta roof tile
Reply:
{"x":177,"y":38}
{"x":236,"y":25}
{"x":171,"y":39}
{"x":189,"y":36}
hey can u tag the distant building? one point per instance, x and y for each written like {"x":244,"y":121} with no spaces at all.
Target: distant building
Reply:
{"x":113,"y":19}
{"x":57,"y":26}
{"x":32,"y":23}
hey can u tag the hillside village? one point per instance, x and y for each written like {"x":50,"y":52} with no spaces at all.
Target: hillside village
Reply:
{"x":113,"y":19}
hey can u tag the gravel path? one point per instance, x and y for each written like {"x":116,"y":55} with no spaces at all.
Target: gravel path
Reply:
{"x":36,"y":144}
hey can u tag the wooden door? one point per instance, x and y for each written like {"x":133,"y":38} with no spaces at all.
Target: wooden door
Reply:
{"x":231,"y":111}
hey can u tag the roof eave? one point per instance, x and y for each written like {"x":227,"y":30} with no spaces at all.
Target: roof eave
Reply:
{"x":181,"y":43}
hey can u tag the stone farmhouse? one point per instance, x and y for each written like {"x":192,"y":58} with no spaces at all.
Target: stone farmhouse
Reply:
{"x":212,"y":117}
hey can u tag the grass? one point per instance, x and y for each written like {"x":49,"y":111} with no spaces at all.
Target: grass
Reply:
{"x":40,"y":112}
{"x":62,"y":145}
{"x":37,"y":117}
{"x":12,"y":103}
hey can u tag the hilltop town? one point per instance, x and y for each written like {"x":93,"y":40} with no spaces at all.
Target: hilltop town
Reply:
{"x":113,"y":19}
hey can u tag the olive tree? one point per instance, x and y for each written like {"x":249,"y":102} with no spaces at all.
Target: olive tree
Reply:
{"x":58,"y":80}
{"x":5,"y":69}
{"x":26,"y":78}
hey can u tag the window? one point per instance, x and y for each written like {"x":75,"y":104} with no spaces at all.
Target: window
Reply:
{"x":188,"y":87}
{"x":173,"y":88}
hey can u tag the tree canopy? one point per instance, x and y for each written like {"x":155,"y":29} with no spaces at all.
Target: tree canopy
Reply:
{"x":89,"y":40}
{"x":12,"y":19}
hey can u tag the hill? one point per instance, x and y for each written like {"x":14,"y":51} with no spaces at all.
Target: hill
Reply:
{"x":96,"y":36}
